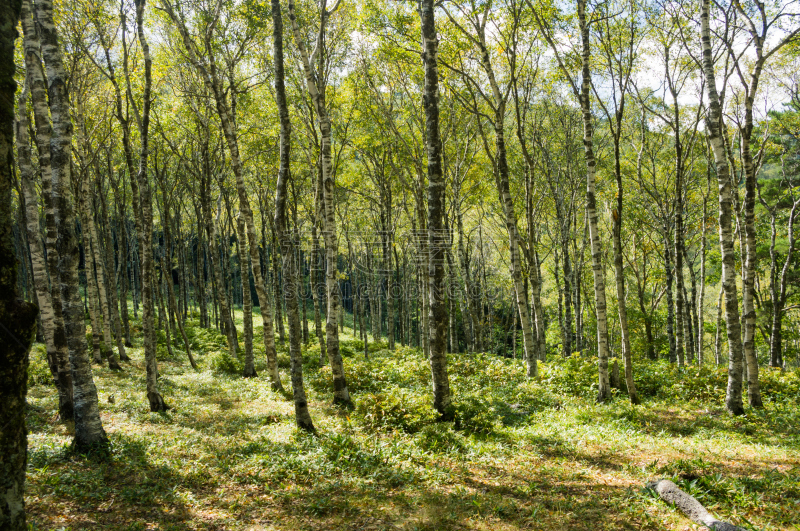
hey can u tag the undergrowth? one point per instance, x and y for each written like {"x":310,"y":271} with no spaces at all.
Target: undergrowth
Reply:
{"x":520,"y":453}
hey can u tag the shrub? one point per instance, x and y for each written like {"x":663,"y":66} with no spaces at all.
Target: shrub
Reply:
{"x":38,"y":369}
{"x":395,"y":410}
{"x":651,"y":377}
{"x":440,"y":438}
{"x":205,"y":339}
{"x":576,"y":376}
{"x":779,"y":386}
{"x":475,"y":414}
{"x":705,"y":384}
{"x":225,"y":363}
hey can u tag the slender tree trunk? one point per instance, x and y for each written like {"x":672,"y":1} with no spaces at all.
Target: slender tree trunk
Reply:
{"x":733,"y":397}
{"x":302,"y":416}
{"x":469,"y":295}
{"x":317,"y":291}
{"x":90,"y":298}
{"x":691,"y":311}
{"x":215,"y":264}
{"x":146,"y":233}
{"x":163,"y":319}
{"x":778,"y":288}
{"x":680,"y":302}
{"x":89,"y":432}
{"x":92,"y":245}
{"x":619,"y":272}
{"x":598,"y":271}
{"x":276,"y":286}
{"x":247,"y":304}
{"x":750,"y":258}
{"x":108,"y":262}
{"x":125,"y":270}
{"x":53,"y":325}
{"x":701,"y":301}
{"x":341,"y":395}
{"x":717,"y":346}
{"x":668,"y":270}
{"x":436,"y":235}
{"x":167,"y":268}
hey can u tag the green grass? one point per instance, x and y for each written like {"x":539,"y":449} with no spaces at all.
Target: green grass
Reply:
{"x":521,"y":454}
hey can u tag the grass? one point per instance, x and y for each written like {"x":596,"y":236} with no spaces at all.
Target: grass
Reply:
{"x":521,"y":454}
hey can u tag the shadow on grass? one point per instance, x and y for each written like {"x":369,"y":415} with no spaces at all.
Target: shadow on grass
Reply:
{"x":128,"y":491}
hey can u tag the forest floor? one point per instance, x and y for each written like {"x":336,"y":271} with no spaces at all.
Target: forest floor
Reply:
{"x":522,"y":454}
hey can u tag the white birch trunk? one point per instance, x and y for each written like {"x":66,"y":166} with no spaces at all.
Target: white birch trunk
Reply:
{"x":89,"y":432}
{"x":316,"y":91}
{"x":733,"y":397}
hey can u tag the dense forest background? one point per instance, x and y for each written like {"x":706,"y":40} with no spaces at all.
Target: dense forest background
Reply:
{"x":447,"y":219}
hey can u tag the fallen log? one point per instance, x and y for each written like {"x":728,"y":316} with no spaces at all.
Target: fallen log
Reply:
{"x":693,"y":509}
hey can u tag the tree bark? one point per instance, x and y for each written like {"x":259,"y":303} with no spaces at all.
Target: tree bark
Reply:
{"x":436,"y":233}
{"x":302,"y":416}
{"x":95,"y":262}
{"x":598,"y":272}
{"x":701,"y":301}
{"x":146,"y":233}
{"x":18,"y":318}
{"x":58,"y":356}
{"x":247,"y":304}
{"x":108,"y":263}
{"x":36,"y":82}
{"x":89,"y":432}
{"x":714,"y":124}
{"x":316,"y":90}
{"x":167,"y":268}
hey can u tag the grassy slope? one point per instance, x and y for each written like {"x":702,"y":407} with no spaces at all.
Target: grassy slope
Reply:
{"x":524,"y":455}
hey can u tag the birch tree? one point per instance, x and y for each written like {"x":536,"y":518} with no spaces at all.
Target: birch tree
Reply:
{"x":315,"y":84}
{"x":714,"y":125}
{"x":211,"y":75}
{"x":582,"y":93}
{"x":18,"y":318}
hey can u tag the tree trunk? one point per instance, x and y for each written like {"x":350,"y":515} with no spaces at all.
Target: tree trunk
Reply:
{"x":619,"y":273}
{"x":302,"y":416}
{"x":108,"y":261}
{"x":778,"y":288}
{"x":215,"y":264}
{"x":167,"y":268}
{"x":92,"y":245}
{"x":469,"y":296}
{"x":341,"y":395}
{"x":18,"y":318}
{"x":89,"y":432}
{"x":146,"y":233}
{"x":604,"y":388}
{"x":668,"y":271}
{"x":125,"y":269}
{"x":247,"y":304}
{"x":317,"y":292}
{"x":717,"y":346}
{"x":276,"y":287}
{"x":90,"y":294}
{"x":57,"y":355}
{"x":750,"y":258}
{"x":680,"y":303}
{"x":733,"y":397}
{"x":701,"y":301}
{"x":436,"y":234}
